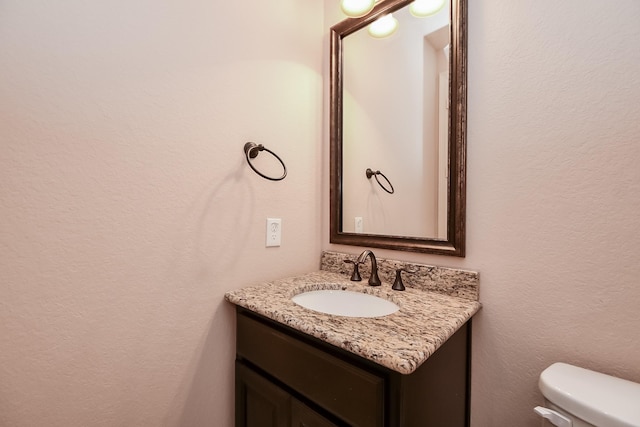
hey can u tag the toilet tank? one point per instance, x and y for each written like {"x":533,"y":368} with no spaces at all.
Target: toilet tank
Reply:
{"x":598,"y":399}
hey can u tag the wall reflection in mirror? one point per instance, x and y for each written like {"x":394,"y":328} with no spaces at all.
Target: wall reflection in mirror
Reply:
{"x":399,"y":128}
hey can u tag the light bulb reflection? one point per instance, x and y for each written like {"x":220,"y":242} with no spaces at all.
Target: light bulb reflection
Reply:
{"x":383,"y":27}
{"x":423,"y":8}
{"x":356,"y":8}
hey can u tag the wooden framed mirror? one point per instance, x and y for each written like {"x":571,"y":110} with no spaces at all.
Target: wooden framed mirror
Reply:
{"x":416,"y":139}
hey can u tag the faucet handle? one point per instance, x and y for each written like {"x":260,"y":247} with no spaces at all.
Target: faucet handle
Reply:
{"x":397,"y":284}
{"x":355,"y":276}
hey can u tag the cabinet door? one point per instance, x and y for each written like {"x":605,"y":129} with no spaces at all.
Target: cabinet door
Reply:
{"x":303,"y":416}
{"x":341,"y":387}
{"x":259,"y":403}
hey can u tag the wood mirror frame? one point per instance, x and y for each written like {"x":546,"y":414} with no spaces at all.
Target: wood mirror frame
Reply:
{"x":454,"y":244}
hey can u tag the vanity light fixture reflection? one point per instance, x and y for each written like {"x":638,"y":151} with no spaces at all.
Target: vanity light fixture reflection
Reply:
{"x":424,"y":8}
{"x":383,"y":27}
{"x":356,"y":8}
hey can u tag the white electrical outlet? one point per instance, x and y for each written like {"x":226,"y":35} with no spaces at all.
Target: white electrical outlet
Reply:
{"x":274,"y":232}
{"x":359,"y":224}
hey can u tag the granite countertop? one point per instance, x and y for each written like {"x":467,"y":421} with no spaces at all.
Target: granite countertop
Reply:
{"x":401,"y":341}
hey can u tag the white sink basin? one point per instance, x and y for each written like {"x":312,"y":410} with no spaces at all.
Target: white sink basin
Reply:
{"x":345,"y":303}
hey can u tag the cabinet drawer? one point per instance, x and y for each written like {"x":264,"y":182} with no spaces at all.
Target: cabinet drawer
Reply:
{"x":353,"y":394}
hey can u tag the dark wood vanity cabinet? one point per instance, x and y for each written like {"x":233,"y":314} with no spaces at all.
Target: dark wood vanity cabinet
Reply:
{"x":286,"y":378}
{"x":262,"y":403}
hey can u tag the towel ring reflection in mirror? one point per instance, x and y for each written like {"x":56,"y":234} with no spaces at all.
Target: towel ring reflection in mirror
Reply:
{"x":251,"y":151}
{"x":375,"y":174}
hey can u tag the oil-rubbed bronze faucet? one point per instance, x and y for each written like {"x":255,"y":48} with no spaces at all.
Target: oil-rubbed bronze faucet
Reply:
{"x":374,"y":280}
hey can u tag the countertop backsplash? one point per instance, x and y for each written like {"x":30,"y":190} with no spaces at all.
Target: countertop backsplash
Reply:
{"x":444,"y":280}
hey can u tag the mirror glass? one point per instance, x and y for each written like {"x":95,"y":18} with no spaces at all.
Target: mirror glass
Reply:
{"x":398,"y":108}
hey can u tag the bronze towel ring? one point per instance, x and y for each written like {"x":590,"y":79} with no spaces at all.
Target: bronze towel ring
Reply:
{"x":375,"y":174}
{"x":251,"y":151}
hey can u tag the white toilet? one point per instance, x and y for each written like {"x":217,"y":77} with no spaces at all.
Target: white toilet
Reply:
{"x":577,"y":397}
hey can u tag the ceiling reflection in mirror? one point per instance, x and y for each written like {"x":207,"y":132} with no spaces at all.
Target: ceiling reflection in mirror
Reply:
{"x":399,"y":128}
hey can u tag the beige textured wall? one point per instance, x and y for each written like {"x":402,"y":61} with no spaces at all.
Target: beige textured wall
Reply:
{"x":554,"y":185}
{"x":553,"y":196}
{"x":126,"y":206}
